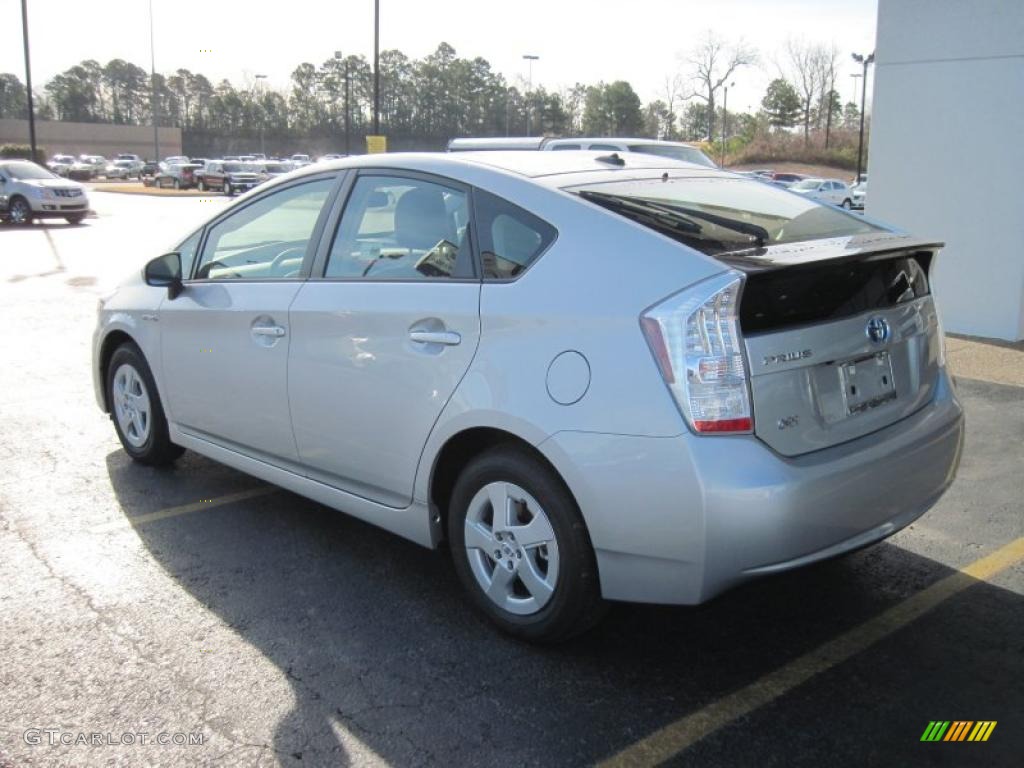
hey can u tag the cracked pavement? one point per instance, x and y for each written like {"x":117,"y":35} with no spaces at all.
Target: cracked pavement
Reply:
{"x":290,"y":634}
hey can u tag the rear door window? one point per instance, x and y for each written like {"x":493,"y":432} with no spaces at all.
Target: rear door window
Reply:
{"x":511,"y":239}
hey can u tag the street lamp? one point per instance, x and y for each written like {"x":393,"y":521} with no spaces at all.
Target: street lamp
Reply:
{"x":263,"y":116}
{"x":865,"y":61}
{"x":725,"y":119}
{"x":153,"y":103}
{"x":529,"y":88}
{"x":28,"y":82}
{"x":376,"y":69}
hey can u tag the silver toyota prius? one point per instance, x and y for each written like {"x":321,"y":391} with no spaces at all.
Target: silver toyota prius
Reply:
{"x":594,"y":376}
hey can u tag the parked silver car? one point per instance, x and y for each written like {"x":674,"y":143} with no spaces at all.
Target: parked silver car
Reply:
{"x":643,"y":381}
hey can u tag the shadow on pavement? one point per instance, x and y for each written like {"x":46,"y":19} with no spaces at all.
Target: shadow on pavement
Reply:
{"x":374,"y":636}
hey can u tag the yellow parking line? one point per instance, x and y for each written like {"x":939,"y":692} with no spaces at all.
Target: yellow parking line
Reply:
{"x":677,"y":736}
{"x":184,"y":509}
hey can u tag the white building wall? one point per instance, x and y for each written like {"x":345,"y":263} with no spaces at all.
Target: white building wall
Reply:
{"x":947,"y":150}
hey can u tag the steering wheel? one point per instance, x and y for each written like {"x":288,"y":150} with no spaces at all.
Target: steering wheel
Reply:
{"x":279,"y":259}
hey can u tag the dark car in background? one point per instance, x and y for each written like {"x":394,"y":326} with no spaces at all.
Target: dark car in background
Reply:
{"x":177,"y":175}
{"x":228,"y":177}
{"x":786,"y":179}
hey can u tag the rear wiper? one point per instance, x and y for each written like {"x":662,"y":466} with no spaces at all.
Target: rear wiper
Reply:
{"x":660,"y":216}
{"x":759,"y":234}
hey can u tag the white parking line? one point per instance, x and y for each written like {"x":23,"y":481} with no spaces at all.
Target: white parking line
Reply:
{"x":677,"y":736}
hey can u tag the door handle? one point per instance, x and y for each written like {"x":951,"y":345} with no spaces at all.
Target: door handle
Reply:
{"x":450,"y":338}
{"x":275,"y":331}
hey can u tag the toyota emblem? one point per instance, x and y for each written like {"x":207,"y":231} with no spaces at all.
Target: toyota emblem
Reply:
{"x":878,"y":330}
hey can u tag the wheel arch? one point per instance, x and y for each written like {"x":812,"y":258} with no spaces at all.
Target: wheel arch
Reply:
{"x":460,"y":448}
{"x":111,"y":342}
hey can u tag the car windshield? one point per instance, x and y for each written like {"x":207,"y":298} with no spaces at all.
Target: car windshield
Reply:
{"x":718,"y":215}
{"x":275,"y":168}
{"x":26,"y":170}
{"x":686,"y":154}
{"x":233,"y":167}
{"x":807,"y":184}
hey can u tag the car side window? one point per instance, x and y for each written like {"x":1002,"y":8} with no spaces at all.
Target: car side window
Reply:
{"x":564,"y":146}
{"x":611,"y":147}
{"x":187,"y":250}
{"x":266,"y":239}
{"x":510,"y":238}
{"x":396,"y":228}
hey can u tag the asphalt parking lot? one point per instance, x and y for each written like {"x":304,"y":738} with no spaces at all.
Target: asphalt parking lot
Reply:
{"x":199,"y":601}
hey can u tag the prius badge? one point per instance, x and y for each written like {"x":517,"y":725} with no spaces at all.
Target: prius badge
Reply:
{"x":786,"y":357}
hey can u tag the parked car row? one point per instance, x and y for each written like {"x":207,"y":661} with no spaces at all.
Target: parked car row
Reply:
{"x":230,"y":175}
{"x":89,"y":167}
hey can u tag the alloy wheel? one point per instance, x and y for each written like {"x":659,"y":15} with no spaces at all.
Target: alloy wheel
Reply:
{"x":511,"y":548}
{"x":132,"y":407}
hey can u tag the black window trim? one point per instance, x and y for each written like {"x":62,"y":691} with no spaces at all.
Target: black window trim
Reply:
{"x":319,"y":266}
{"x":311,"y":246}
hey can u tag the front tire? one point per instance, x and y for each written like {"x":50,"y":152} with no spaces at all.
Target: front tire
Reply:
{"x":136,"y":410}
{"x":848,"y":204}
{"x":19,"y":211}
{"x":521,"y":549}
{"x":228,"y":189}
{"x":75,"y":219}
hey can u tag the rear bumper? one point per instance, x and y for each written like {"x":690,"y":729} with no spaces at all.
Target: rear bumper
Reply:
{"x":679,"y":520}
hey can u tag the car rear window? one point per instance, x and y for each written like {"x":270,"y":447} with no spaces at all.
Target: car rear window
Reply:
{"x":718,"y":215}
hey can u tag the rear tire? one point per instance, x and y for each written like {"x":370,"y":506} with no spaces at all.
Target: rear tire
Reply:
{"x":177,"y":184}
{"x":533,"y":574}
{"x":136,"y":410}
{"x":228,"y":189}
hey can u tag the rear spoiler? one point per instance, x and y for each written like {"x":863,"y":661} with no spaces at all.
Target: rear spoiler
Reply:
{"x":804,"y":254}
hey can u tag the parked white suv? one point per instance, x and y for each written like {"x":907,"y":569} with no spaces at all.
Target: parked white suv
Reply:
{"x":35,"y":193}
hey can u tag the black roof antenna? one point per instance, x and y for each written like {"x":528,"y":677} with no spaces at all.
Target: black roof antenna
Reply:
{"x":612,"y":159}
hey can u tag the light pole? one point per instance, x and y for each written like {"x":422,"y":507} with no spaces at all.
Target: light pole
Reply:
{"x":376,"y":69}
{"x":725,"y":119}
{"x":152,"y":87}
{"x":529,"y":88}
{"x":263,"y":117}
{"x":28,"y":82}
{"x":865,"y":61}
{"x":855,"y":75}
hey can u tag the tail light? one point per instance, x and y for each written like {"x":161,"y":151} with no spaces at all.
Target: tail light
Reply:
{"x":695,"y":338}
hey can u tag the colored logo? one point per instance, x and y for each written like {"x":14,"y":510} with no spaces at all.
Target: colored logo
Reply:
{"x":958,"y":730}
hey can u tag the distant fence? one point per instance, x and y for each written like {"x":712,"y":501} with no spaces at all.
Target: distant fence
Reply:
{"x":105,"y":139}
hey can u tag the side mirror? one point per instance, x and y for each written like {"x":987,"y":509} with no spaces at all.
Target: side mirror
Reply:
{"x":165,"y":271}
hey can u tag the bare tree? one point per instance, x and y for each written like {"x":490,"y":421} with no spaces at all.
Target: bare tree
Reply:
{"x":827,"y":75}
{"x":808,"y":66}
{"x":711,"y":63}
{"x":673,"y":94}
